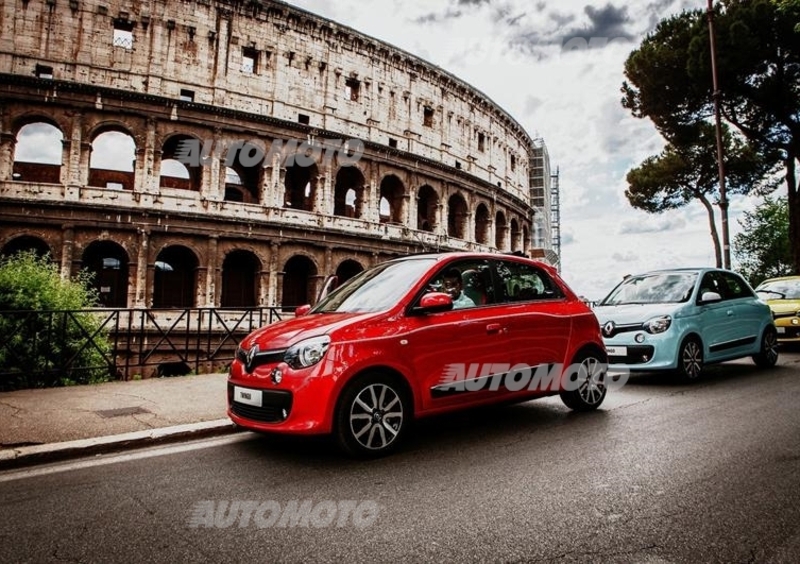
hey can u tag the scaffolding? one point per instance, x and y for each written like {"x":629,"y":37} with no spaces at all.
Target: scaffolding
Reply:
{"x":555,"y":219}
{"x":544,"y":199}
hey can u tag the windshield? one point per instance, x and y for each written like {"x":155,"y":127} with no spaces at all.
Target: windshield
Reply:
{"x":376,"y":289}
{"x":780,"y":289}
{"x":660,"y":288}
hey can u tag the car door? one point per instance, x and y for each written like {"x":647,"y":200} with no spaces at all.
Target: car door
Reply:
{"x":747,"y":315}
{"x":538,"y":323}
{"x":717,"y":321}
{"x":457,"y":352}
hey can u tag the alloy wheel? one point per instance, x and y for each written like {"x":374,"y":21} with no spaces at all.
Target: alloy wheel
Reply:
{"x":376,"y":416}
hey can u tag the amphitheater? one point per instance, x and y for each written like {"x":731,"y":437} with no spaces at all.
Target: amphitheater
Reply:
{"x":100,"y":99}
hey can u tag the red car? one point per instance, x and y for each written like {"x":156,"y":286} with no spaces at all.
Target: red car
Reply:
{"x":418,"y":336}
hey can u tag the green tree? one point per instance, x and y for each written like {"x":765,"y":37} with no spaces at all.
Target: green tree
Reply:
{"x":762,"y":248}
{"x":45,"y":340}
{"x":686,"y":170}
{"x":669,"y":80}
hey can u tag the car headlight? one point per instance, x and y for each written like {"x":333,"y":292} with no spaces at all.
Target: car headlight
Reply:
{"x":307,"y":353}
{"x":657,"y":324}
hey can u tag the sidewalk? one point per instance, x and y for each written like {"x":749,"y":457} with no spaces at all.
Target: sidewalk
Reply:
{"x":49,"y":424}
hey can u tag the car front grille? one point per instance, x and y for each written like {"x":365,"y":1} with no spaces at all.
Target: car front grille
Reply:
{"x":275,"y":407}
{"x":790,"y":333}
{"x":637,"y":354}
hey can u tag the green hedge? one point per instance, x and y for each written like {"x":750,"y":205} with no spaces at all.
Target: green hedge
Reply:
{"x":45,"y":340}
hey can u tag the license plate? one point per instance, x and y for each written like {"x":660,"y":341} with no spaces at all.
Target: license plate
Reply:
{"x":781,"y":330}
{"x":246,"y":395}
{"x":617,"y":351}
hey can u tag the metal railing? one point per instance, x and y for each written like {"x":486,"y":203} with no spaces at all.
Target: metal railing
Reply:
{"x":57,"y":346}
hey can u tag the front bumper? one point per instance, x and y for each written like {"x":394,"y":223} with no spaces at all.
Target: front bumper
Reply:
{"x":788,"y":330}
{"x":648,"y":352}
{"x":299,"y":404}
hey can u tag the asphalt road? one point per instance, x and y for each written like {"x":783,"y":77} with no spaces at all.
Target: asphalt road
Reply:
{"x":662,"y":473}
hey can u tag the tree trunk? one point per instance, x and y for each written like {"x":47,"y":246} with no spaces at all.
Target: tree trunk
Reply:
{"x":713,"y":227}
{"x":794,"y":210}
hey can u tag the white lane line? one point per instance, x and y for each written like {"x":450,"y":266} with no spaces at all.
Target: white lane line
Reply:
{"x":103,"y":460}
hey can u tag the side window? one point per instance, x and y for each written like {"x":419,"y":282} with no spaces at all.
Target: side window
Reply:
{"x":713,"y":282}
{"x":736,"y":287}
{"x":520,"y":282}
{"x":468,"y":282}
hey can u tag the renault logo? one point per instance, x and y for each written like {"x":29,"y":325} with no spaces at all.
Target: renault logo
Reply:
{"x":608,"y":329}
{"x":251,"y":355}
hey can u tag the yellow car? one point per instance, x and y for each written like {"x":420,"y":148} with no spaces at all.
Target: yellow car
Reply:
{"x":783,"y":297}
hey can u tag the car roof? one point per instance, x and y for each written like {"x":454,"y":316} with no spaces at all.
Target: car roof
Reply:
{"x":446,"y":255}
{"x":695,"y":269}
{"x":780,"y":279}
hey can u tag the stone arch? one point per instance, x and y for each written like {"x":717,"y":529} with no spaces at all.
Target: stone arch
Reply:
{"x":240,"y":279}
{"x":300,"y":184}
{"x":113,"y":158}
{"x":108,"y":261}
{"x":176,"y":173}
{"x":390,"y":205}
{"x":457,"y":216}
{"x":482,"y":224}
{"x":38,"y":151}
{"x":175,"y":278}
{"x":24,"y":243}
{"x":298,"y":288}
{"x":347,"y":269}
{"x":500,"y":231}
{"x":427,"y":206}
{"x":349,"y":192}
{"x":244,"y":170}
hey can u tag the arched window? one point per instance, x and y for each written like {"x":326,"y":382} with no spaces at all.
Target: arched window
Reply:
{"x":456,"y":217}
{"x":297,"y":287}
{"x":108,"y":263}
{"x":113,"y":160}
{"x":240,"y":279}
{"x":175,"y":280}
{"x":348,"y":196}
{"x":37,"y":154}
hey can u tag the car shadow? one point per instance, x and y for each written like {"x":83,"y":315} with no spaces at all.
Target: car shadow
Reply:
{"x":440,"y":436}
{"x":713,"y":375}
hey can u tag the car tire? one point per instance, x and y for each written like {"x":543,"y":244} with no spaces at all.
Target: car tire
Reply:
{"x":767,"y":356}
{"x":587,"y":379}
{"x":372,"y":416}
{"x":690,"y":359}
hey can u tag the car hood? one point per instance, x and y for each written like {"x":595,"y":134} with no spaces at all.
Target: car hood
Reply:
{"x":633,"y":313}
{"x":784,"y":306}
{"x":285,"y":333}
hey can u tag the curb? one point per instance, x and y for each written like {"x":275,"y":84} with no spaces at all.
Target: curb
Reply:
{"x":53,"y":452}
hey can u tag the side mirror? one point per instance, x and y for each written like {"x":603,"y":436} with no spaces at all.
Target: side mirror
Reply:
{"x":710,"y":297}
{"x":434,"y":302}
{"x":302,"y":310}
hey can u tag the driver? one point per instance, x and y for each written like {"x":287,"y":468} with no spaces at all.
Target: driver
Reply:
{"x":453,"y":286}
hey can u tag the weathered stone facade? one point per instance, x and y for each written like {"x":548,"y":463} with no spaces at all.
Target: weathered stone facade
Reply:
{"x":442,"y":166}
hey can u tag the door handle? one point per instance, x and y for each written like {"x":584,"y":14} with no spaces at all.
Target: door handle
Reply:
{"x":493,"y":328}
{"x":730,"y":312}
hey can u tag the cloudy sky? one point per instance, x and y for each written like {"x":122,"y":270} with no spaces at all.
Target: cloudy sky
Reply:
{"x":557,"y":68}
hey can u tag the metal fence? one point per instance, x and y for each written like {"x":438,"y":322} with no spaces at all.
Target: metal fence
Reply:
{"x":63,"y":346}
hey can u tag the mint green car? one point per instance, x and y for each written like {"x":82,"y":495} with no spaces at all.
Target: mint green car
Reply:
{"x":681,"y":320}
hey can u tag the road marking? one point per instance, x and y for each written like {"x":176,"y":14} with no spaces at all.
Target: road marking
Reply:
{"x":103,"y":460}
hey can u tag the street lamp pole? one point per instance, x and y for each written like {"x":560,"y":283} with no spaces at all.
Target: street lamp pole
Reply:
{"x":723,"y":199}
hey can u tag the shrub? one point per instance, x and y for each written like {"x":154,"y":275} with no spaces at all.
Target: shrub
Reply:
{"x":47,"y":338}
